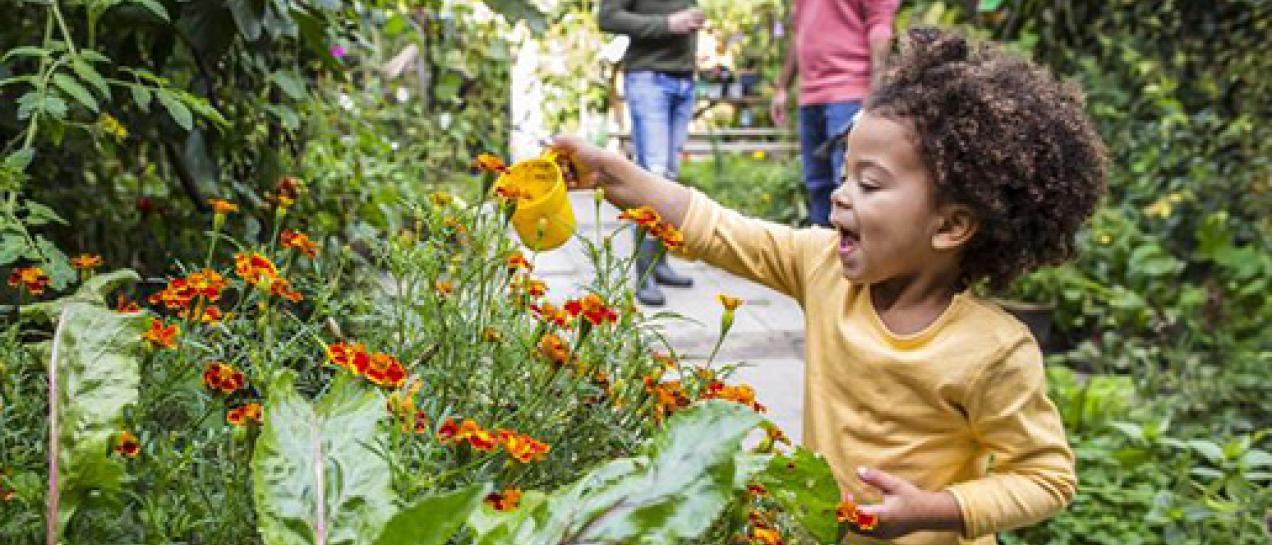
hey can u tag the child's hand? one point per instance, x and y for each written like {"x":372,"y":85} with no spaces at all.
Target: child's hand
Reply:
{"x":907,"y":508}
{"x":587,"y":160}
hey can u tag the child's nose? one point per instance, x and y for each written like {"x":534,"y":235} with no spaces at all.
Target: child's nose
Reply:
{"x":839,"y":197}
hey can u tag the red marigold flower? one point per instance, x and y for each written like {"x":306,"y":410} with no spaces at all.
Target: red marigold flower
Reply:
{"x":86,"y":262}
{"x":593,"y":308}
{"x":385,"y":370}
{"x":528,"y":285}
{"x":489,"y":163}
{"x":207,"y":283}
{"x":126,"y":444}
{"x":521,"y":447}
{"x":288,"y":190}
{"x":554,"y":349}
{"x":32,"y":278}
{"x":123,"y":305}
{"x":299,"y":242}
{"x":448,"y":431}
{"x":505,"y":500}
{"x":211,"y":314}
{"x":756,"y":489}
{"x":160,"y":335}
{"x":847,"y":511}
{"x":353,"y":357}
{"x":222,"y":206}
{"x":670,"y":236}
{"x":481,"y":439}
{"x":254,"y":268}
{"x":517,"y":261}
{"x":224,"y":378}
{"x":644,"y":216}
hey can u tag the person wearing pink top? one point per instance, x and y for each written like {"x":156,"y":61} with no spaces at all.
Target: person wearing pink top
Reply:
{"x":838,"y":48}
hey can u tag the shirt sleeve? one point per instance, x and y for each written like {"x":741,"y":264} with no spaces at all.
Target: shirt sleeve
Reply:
{"x":879,"y":16}
{"x":617,"y":17}
{"x":754,"y":249}
{"x":1032,"y":474}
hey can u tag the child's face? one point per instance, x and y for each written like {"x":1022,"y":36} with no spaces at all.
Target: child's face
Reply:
{"x":885,"y":208}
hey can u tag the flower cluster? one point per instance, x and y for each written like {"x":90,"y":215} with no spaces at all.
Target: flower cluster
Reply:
{"x":592,"y":308}
{"x":742,"y":394}
{"x":548,"y":313}
{"x":31,"y":278}
{"x":649,"y":220}
{"x":220,"y":377}
{"x":519,"y":446}
{"x":259,"y":271}
{"x":195,"y":290}
{"x":381,"y":369}
{"x":848,"y":512}
{"x":245,"y":414}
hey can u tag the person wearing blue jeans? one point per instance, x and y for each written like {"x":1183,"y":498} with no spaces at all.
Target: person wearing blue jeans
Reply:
{"x":821,"y":128}
{"x":658,"y":84}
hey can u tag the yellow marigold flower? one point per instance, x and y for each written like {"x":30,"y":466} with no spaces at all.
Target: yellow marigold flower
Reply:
{"x":32,"y":278}
{"x":489,"y":163}
{"x":86,"y":262}
{"x":160,"y":335}
{"x":644,"y":216}
{"x":222,"y":206}
{"x":729,"y":302}
{"x":443,"y":287}
{"x":670,"y":236}
{"x":505,"y":500}
{"x":126,"y":444}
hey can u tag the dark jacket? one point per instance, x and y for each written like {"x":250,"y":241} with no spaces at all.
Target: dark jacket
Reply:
{"x":653,"y":46}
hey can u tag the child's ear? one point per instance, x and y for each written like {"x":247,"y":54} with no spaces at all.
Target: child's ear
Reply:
{"x":958,"y":224}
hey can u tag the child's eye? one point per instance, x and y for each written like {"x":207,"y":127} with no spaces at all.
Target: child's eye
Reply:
{"x":867,"y":185}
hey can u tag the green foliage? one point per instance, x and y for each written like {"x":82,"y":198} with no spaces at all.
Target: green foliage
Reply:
{"x":768,"y":188}
{"x":316,"y":478}
{"x":433,"y":520}
{"x":804,"y":486}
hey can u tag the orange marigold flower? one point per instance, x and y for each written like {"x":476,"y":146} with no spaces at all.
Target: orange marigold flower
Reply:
{"x":126,"y":444}
{"x":550,"y":314}
{"x":728,"y":302}
{"x":669,"y":397}
{"x":524,"y":283}
{"x":741,"y":394}
{"x":554,"y":349}
{"x":508,"y":193}
{"x":593,"y":309}
{"x":670,"y":236}
{"x":385,"y":370}
{"x":448,"y":431}
{"x":481,"y":439}
{"x":281,"y":287}
{"x":505,"y":500}
{"x":32,"y":278}
{"x":254,"y":268}
{"x":522,"y":447}
{"x":86,"y":262}
{"x":244,"y":414}
{"x":207,"y":283}
{"x":766,"y":536}
{"x":224,"y":378}
{"x":353,"y":357}
{"x":848,"y":512}
{"x":211,"y":314}
{"x":517,"y":261}
{"x":644,"y":216}
{"x":489,"y":163}
{"x":299,"y":242}
{"x":222,"y":206}
{"x":160,"y":335}
{"x":443,"y":287}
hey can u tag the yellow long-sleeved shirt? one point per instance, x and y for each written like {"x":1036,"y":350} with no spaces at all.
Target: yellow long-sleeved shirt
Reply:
{"x":933,"y":407}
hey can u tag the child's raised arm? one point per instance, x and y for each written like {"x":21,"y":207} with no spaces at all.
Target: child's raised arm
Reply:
{"x":626,"y":184}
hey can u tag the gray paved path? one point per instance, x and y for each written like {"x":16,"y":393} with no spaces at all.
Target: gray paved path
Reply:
{"x":767,"y":335}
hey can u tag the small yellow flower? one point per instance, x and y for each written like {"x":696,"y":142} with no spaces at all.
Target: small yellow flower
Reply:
{"x":758,"y":155}
{"x":1162,"y":209}
{"x":1104,"y":239}
{"x":729,"y":302}
{"x":111,"y":126}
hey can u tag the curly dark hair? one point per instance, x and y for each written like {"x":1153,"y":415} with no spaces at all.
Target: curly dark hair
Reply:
{"x":1001,"y":135}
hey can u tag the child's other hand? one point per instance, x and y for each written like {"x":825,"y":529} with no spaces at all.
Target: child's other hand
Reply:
{"x":587,"y":160}
{"x":907,"y":508}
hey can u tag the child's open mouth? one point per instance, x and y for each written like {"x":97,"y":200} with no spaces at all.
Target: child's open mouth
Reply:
{"x":848,"y":241}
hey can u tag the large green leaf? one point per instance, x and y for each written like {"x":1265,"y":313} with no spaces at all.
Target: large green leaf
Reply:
{"x":803,"y":484}
{"x":93,"y":375}
{"x":432,"y":520}
{"x":316,"y":479}
{"x":675,"y":492}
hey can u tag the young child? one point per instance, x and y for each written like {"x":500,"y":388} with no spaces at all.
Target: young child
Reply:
{"x":968,"y":167}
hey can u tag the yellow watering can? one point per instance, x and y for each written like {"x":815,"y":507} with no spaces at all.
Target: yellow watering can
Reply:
{"x":543,"y":218}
